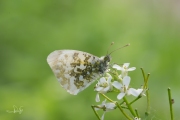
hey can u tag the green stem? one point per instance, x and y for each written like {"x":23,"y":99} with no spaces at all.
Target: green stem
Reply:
{"x":144,"y":76}
{"x":145,"y":87}
{"x":147,"y":94}
{"x":95,"y":112}
{"x":129,"y":106}
{"x":107,"y":98}
{"x":135,"y":99}
{"x":146,"y":82}
{"x":120,"y":108}
{"x":148,"y":103}
{"x":122,"y":103}
{"x":170,"y":104}
{"x":137,"y":113}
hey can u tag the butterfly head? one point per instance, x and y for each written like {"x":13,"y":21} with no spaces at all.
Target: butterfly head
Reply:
{"x":104,"y":63}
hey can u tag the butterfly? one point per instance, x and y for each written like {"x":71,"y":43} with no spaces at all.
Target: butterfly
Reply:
{"x":76,"y":70}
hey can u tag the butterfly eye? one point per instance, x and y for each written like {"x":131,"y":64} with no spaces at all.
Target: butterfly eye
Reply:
{"x":107,"y":58}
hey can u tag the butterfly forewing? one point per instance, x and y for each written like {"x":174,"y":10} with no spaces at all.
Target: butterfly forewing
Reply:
{"x":75,"y":70}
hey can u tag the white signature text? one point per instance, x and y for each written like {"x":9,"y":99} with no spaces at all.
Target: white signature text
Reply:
{"x":16,"y":110}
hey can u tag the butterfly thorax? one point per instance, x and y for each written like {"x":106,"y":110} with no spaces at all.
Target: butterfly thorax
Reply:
{"x":104,"y":63}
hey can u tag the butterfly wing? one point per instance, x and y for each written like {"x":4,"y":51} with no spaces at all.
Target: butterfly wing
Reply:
{"x":75,"y":70}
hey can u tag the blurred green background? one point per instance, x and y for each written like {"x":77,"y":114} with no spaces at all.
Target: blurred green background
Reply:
{"x":31,"y":29}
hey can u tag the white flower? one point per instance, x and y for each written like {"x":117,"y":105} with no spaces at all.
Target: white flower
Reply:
{"x":124,"y":69}
{"x":103,"y":86}
{"x":124,"y":88}
{"x":106,"y":107}
{"x":136,"y":118}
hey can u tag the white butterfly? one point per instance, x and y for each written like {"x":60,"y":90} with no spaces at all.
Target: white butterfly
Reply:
{"x":76,"y":70}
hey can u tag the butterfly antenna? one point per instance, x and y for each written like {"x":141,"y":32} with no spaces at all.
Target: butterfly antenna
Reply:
{"x":119,"y":48}
{"x":109,"y":47}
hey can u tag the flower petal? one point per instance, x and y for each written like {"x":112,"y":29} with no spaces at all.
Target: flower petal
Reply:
{"x":120,"y":95}
{"x":99,"y":88}
{"x":97,"y":97}
{"x":106,"y":89}
{"x":109,"y":80}
{"x":134,"y":92}
{"x":102,"y":118}
{"x":132,"y":68}
{"x":117,"y":67}
{"x":117,"y":85}
{"x":97,"y":109}
{"x":110,"y":106}
{"x":126,"y":81}
{"x":126,"y":65}
{"x":104,"y":103}
{"x":102,"y":80}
